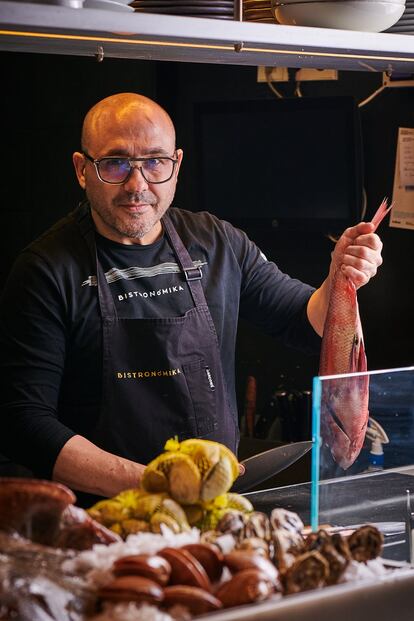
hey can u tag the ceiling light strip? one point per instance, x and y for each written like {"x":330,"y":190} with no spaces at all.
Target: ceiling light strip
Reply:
{"x":230,"y":48}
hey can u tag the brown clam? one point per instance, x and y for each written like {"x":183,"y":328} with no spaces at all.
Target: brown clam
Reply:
{"x":287,"y":545}
{"x":224,"y":542}
{"x":246,"y":587}
{"x":309,"y":571}
{"x":196,"y":600}
{"x":258,"y":525}
{"x":286,"y":520}
{"x":209,"y":557}
{"x":132,"y":589}
{"x":238,"y":560}
{"x":365,"y":543}
{"x":185,"y":568}
{"x":323,"y":543}
{"x":232,"y":522}
{"x":149,"y":566}
{"x":255,"y":544}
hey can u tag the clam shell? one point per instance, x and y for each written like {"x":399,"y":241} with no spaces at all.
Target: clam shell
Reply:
{"x":246,"y":587}
{"x":238,"y":560}
{"x":185,"y":480}
{"x":185,"y":569}
{"x":132,"y":589}
{"x":218,"y":480}
{"x":209,"y":556}
{"x":149,"y":566}
{"x":196,"y":600}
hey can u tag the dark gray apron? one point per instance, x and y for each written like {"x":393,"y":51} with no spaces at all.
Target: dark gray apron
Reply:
{"x":161,"y":377}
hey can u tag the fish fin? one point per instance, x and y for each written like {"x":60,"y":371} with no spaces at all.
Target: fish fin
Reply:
{"x":362,"y":359}
{"x":381,"y":212}
{"x":358,"y":361}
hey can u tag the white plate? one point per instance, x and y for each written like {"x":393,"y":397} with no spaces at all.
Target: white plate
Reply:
{"x":344,"y":15}
{"x":184,"y":10}
{"x":106,"y":5}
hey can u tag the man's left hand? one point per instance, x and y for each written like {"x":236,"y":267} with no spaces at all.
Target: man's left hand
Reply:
{"x":357,"y":253}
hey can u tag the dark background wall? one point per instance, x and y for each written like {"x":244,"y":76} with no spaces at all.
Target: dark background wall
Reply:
{"x":45,"y":100}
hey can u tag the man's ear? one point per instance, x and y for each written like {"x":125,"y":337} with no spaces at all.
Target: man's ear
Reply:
{"x":79,"y":164}
{"x":180,"y":154}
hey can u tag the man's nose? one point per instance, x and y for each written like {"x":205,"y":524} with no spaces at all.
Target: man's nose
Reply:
{"x":136,"y":181}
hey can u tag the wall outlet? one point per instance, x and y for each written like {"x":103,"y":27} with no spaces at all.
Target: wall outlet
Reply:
{"x":303,"y":75}
{"x":275,"y":74}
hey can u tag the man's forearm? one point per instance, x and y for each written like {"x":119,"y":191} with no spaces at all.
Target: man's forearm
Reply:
{"x":318,"y":307}
{"x":83,"y":466}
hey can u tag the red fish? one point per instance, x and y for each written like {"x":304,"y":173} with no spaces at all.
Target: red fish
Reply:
{"x":344,"y":401}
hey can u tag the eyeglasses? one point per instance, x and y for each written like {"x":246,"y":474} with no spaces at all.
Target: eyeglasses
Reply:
{"x":117,"y":170}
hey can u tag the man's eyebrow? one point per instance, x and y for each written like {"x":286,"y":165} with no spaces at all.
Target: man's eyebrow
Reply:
{"x":125,"y":153}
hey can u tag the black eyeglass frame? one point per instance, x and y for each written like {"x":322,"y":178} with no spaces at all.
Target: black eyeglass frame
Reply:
{"x":97,"y":162}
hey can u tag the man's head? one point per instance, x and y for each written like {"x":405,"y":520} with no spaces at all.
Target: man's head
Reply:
{"x":128,"y":126}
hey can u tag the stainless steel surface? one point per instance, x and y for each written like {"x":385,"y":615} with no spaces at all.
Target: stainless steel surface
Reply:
{"x":60,"y":30}
{"x":384,"y":598}
{"x":409,"y":529}
{"x":262,"y":466}
{"x":386,"y":528}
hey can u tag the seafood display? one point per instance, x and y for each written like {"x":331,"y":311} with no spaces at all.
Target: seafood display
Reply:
{"x":344,"y":405}
{"x":145,"y":561}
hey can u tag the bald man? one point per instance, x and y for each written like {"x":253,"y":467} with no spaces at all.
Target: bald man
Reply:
{"x":118,"y":325}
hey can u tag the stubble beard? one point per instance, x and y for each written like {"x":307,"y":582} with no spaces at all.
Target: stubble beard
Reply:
{"x":131,"y":225}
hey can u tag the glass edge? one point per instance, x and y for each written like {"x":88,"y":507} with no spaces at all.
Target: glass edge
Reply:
{"x":316,"y":442}
{"x":359,"y":373}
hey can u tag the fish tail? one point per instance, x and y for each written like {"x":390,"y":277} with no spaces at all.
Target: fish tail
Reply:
{"x":381,"y":212}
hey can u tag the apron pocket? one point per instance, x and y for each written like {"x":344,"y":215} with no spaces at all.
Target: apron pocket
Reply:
{"x":200,"y":380}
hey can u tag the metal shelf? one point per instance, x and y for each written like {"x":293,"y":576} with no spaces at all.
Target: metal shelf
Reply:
{"x":55,"y":29}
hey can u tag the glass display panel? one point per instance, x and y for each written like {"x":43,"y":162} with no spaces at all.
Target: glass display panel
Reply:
{"x":363,"y":453}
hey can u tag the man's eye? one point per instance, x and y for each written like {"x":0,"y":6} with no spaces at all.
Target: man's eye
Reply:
{"x":153,"y":164}
{"x":117,"y":163}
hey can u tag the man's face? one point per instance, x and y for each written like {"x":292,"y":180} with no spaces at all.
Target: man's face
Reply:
{"x":131,"y":212}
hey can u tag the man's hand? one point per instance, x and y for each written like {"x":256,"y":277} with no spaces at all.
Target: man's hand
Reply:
{"x":357,"y":253}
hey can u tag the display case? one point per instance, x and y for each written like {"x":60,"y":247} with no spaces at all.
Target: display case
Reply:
{"x":376,"y":488}
{"x":378,"y":485}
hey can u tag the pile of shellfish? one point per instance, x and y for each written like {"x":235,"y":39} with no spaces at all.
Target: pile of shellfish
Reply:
{"x":271,"y":556}
{"x":187,"y":485}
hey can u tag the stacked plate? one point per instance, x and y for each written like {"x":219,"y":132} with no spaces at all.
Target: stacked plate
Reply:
{"x":215,"y":9}
{"x":405,"y":24}
{"x":363,"y":15}
{"x":110,"y":5}
{"x":258,"y":11}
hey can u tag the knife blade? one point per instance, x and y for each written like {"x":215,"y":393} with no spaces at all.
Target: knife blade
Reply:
{"x":262,"y":466}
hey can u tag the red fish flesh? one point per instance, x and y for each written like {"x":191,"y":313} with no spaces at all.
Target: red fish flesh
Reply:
{"x":344,"y":401}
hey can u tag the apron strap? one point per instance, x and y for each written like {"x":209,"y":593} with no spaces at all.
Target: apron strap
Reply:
{"x":193,"y":275}
{"x":87,"y":229}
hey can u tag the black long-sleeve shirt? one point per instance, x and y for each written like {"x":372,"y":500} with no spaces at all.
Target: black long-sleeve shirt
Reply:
{"x":50,"y":325}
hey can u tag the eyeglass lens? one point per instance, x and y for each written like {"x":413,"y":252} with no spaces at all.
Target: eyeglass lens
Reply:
{"x":117,"y":170}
